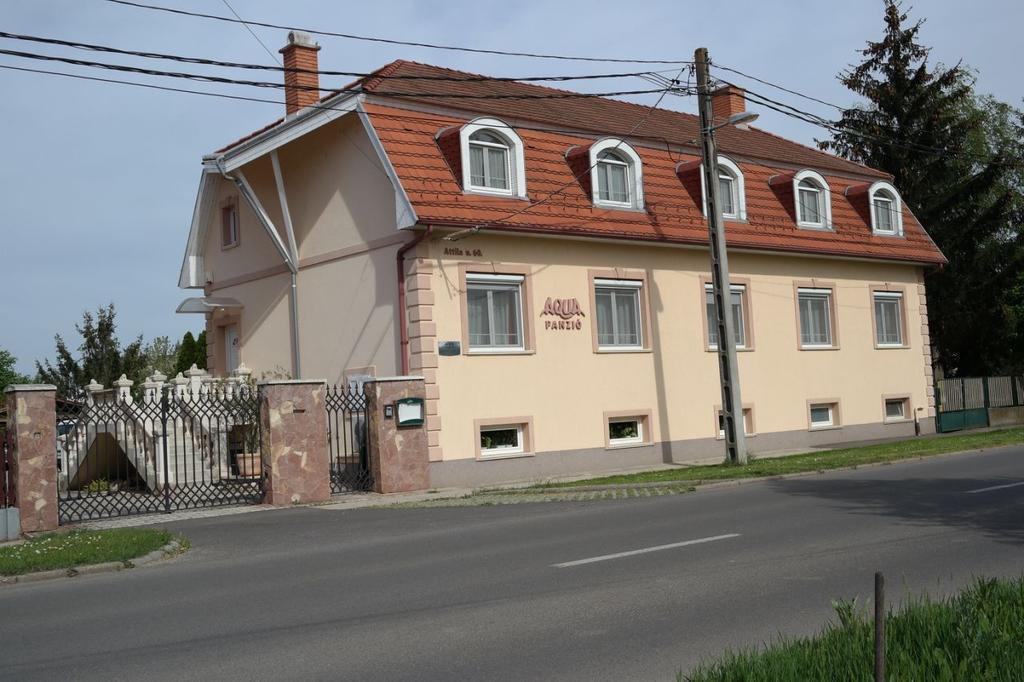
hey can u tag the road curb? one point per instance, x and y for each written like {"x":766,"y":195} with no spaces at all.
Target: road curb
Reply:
{"x":171,"y":548}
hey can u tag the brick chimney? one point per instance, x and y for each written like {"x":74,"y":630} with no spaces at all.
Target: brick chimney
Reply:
{"x":727,"y":101}
{"x":300,"y":88}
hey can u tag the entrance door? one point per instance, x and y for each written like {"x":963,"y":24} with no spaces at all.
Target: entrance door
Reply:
{"x":231,"y":347}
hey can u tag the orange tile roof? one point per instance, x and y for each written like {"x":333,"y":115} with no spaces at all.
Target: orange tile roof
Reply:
{"x":672,"y":203}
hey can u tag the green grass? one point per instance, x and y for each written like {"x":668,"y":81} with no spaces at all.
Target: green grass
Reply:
{"x":976,"y":635}
{"x":79,"y":547}
{"x":815,"y":461}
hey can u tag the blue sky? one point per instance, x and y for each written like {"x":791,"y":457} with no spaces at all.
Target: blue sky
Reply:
{"x":97,"y":181}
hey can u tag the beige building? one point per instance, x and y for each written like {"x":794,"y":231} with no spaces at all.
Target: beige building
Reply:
{"x":540,"y":259}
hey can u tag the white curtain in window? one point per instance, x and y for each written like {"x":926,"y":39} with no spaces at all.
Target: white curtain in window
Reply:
{"x":883,"y":214}
{"x":612,"y":179}
{"x":618,"y":316}
{"x":495,"y":315}
{"x":888,"y":330}
{"x":727,"y":194}
{"x":815,"y":321}
{"x":810,"y":203}
{"x":737,"y":318}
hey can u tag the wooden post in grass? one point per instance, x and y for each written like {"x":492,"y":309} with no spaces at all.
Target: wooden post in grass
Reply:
{"x":879,"y":627}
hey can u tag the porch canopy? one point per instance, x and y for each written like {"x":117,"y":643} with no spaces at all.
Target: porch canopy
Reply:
{"x":208,"y":304}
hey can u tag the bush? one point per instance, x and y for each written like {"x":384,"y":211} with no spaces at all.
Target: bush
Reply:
{"x":976,"y":635}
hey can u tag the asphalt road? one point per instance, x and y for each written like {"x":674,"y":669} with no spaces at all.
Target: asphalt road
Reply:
{"x":476,"y":593}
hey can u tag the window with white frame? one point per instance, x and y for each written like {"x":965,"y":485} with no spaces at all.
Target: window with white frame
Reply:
{"x":823,"y":415}
{"x":616,"y":174}
{"x":501,"y":441}
{"x":737,"y":295}
{"x":815,"y":306}
{"x":731,"y":192}
{"x":886,"y":210}
{"x":618,"y":314}
{"x":748,"y":422}
{"x":495,"y":312}
{"x":489,"y":163}
{"x":896,"y":409}
{"x":813,"y":200}
{"x":492,"y":158}
{"x":612,"y":178}
{"x":625,"y":431}
{"x":888,"y":318}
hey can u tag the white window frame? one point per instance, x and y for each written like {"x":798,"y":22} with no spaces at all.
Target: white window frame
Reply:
{"x":501,"y":280}
{"x":516,"y":157}
{"x":897,"y":209}
{"x":740,"y":289}
{"x":891,"y":296}
{"x":634,"y":440}
{"x":826,"y":191}
{"x":505,"y":451}
{"x":621,"y":284}
{"x":830,"y":316}
{"x":740,"y":195}
{"x":904,"y":402}
{"x":634,"y":173}
{"x":831,"y":423}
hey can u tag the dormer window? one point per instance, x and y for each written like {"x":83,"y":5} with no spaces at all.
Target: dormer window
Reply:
{"x":492,"y":158}
{"x":616,"y":174}
{"x":813,"y":201}
{"x":886,"y":210}
{"x":731,"y":191}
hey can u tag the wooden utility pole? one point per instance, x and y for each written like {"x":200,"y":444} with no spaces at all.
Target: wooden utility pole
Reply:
{"x":732,"y":405}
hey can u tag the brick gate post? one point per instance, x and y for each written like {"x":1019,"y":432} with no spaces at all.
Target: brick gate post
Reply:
{"x":32,"y":421}
{"x":398,"y":454}
{"x":296,"y":463}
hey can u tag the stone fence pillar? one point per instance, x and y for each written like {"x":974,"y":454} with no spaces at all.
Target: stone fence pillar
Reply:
{"x":32,"y":421}
{"x":398,"y":454}
{"x":293,"y":419}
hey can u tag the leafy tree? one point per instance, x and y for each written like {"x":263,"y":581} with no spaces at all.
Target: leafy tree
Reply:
{"x":100,"y":356}
{"x":956,"y":159}
{"x":161,"y":356}
{"x":9,"y":375}
{"x":191,"y":351}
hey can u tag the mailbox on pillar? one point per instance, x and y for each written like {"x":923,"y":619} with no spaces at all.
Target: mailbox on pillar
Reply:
{"x":409,"y":411}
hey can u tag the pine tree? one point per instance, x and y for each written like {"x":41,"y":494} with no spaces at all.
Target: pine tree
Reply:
{"x":925,"y":126}
{"x":191,"y":351}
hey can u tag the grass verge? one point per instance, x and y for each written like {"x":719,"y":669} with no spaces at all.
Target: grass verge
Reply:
{"x":80,"y":547}
{"x":814,"y":461}
{"x":975,"y":635}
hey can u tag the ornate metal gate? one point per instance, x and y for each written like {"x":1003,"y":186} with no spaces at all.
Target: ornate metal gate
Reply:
{"x":346,"y":436}
{"x":181,"y":446}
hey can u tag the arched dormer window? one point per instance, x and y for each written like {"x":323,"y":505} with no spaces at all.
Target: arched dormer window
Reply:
{"x":492,"y":158}
{"x":731,"y":189}
{"x":616,"y":174}
{"x":813,"y":200}
{"x":886,"y":209}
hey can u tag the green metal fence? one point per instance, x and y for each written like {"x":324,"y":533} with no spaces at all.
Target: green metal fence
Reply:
{"x":964,"y":402}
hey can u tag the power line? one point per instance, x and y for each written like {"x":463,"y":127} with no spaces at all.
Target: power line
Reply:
{"x":248,"y":28}
{"x":778,"y":87}
{"x":554,"y":94}
{"x":390,"y":41}
{"x":351,"y":74}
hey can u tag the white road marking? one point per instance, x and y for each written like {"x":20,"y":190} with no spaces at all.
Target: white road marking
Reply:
{"x":995,"y":487}
{"x":645,"y":550}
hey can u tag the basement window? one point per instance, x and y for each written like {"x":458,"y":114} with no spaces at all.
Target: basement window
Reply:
{"x":896,"y":409}
{"x":625,"y":431}
{"x":500,"y":441}
{"x":823,"y":415}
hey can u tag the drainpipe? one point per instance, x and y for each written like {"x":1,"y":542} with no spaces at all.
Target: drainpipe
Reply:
{"x":402,"y":326}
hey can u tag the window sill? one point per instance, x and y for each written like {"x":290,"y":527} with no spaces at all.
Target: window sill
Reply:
{"x":619,"y":207}
{"x":739,"y":349}
{"x":903,"y":420}
{"x":512,"y":455}
{"x":825,"y":428}
{"x":619,"y":351}
{"x":497,"y":194}
{"x":627,"y":446}
{"x":884,"y":346}
{"x":816,"y":228}
{"x":819,"y":347}
{"x":228,"y":247}
{"x":895,"y":235}
{"x":486,"y":353}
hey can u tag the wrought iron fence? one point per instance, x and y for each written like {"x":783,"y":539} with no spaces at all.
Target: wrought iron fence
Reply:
{"x":180,"y":446}
{"x":347,"y":439}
